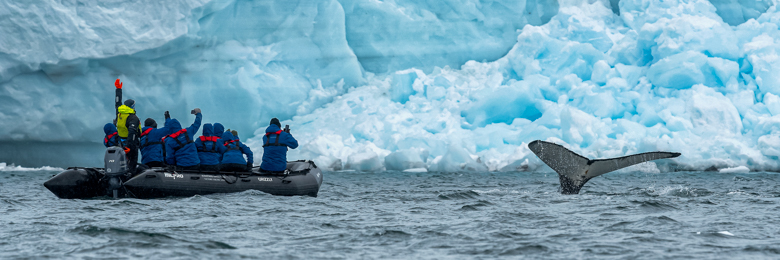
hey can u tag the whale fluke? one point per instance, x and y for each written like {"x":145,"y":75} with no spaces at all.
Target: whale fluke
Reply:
{"x":575,"y":170}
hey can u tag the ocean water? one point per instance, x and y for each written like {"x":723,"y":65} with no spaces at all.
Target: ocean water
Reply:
{"x":411,"y":216}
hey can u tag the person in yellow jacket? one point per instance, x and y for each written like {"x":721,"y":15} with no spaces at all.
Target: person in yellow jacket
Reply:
{"x":128,"y":127}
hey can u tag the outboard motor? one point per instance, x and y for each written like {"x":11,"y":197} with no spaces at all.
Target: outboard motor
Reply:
{"x":116,"y":166}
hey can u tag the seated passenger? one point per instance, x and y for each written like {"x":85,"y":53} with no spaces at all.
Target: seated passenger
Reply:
{"x":112,"y":138}
{"x":179,"y":148}
{"x":275,"y":144}
{"x":218,"y":130}
{"x":210,"y":148}
{"x":233,"y":158}
{"x":151,"y":142}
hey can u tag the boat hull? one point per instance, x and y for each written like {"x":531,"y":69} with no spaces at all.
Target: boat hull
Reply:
{"x":302,"y":178}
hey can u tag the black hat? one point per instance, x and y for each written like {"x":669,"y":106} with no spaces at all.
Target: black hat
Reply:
{"x":130,"y":103}
{"x":150,"y":122}
{"x":275,"y":121}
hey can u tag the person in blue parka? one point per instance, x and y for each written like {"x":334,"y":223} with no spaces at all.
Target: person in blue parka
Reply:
{"x":275,"y":144}
{"x":151,"y":142}
{"x":179,"y":146}
{"x":233,"y":158}
{"x":218,"y":130}
{"x":210,"y":149}
{"x":112,"y":138}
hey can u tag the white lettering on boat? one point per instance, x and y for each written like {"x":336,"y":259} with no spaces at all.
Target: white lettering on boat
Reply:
{"x":264,"y":179}
{"x":211,"y":178}
{"x":174,"y":175}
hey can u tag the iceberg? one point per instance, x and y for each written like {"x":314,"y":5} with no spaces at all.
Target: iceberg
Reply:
{"x":448,"y":86}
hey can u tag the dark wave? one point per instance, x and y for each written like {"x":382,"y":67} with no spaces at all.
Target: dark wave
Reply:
{"x":460,"y":195}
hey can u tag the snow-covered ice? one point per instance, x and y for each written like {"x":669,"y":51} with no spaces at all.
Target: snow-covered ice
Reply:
{"x":412,"y":85}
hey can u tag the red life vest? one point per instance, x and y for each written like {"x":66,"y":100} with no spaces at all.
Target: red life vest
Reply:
{"x":146,"y":132}
{"x":209,"y":138}
{"x":175,"y":135}
{"x":175,"y":138}
{"x":145,"y":140}
{"x":236,"y":145}
{"x":213,"y":140}
{"x":105,"y":140}
{"x":268,"y":139}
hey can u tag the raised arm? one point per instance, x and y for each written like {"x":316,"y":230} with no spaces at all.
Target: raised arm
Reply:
{"x":289,"y":140}
{"x":193,"y":129}
{"x":118,"y":97}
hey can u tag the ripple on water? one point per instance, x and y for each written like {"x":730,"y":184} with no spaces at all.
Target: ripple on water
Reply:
{"x":390,"y":233}
{"x":678,"y":191}
{"x":460,"y":195}
{"x":93,"y":231}
{"x":645,"y":225}
{"x":741,"y":178}
{"x":113,"y":238}
{"x":525,"y":250}
{"x":608,"y":250}
{"x":773,"y":250}
{"x":654,"y":206}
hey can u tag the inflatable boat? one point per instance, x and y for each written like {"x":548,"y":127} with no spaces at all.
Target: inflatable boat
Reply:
{"x":302,"y":178}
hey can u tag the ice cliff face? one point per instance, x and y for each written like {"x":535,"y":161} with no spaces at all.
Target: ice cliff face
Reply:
{"x":240,"y":61}
{"x":371,"y":85}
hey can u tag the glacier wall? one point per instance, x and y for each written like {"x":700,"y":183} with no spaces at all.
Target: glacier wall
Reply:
{"x":409,"y":85}
{"x":669,"y":75}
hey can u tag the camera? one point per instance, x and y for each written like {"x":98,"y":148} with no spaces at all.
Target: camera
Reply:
{"x":287,"y":128}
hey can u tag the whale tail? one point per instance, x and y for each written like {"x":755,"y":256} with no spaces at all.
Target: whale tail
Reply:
{"x":575,"y":170}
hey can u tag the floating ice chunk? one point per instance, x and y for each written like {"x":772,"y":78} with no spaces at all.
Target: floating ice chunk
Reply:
{"x":405,"y":159}
{"x":738,"y":169}
{"x":519,"y":160}
{"x":364,"y":161}
{"x":725,"y":233}
{"x":457,"y":159}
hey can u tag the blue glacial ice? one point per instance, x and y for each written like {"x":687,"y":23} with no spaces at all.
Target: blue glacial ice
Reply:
{"x":412,"y":85}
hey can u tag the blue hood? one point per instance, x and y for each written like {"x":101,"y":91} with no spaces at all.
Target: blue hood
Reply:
{"x":208,"y":130}
{"x":227,"y":136}
{"x":173,"y":124}
{"x":273,"y":129}
{"x":109,"y":128}
{"x":218,"y":129}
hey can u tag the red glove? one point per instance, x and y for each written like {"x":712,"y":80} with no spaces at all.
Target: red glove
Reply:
{"x":127,"y":150}
{"x":118,"y":84}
